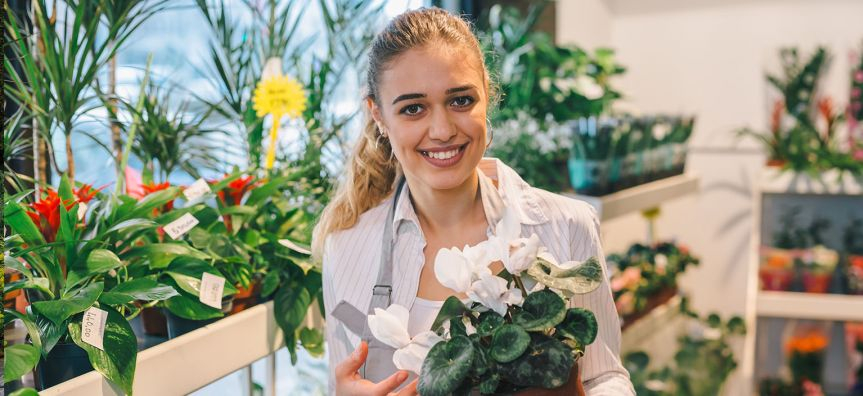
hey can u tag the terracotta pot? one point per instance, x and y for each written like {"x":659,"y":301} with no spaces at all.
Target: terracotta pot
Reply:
{"x":9,"y":276}
{"x":776,"y":163}
{"x":776,"y":279}
{"x":816,"y":282}
{"x":246,"y":297}
{"x":855,"y":274}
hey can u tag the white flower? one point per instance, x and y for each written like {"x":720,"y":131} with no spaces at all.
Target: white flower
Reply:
{"x":390,"y":327}
{"x":491,"y":291}
{"x":456,"y":269}
{"x":272,"y":68}
{"x":588,"y":87}
{"x":661,"y":262}
{"x":411,"y":357}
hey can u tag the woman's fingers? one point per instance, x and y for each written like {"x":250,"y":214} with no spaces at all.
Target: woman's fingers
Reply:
{"x":410,"y":389}
{"x":349,"y":366}
{"x":390,"y":384}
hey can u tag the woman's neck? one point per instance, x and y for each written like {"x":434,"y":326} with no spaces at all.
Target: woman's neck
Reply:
{"x":441,"y":211}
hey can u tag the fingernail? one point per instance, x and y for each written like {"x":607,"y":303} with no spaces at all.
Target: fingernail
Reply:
{"x":402,"y":376}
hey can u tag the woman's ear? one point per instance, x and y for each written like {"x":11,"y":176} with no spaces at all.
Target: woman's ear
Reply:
{"x":374,"y":110}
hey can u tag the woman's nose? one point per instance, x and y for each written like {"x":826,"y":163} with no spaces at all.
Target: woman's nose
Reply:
{"x":441,"y":128}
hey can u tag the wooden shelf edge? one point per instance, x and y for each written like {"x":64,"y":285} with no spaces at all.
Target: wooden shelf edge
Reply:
{"x":792,"y":305}
{"x":641,"y":197}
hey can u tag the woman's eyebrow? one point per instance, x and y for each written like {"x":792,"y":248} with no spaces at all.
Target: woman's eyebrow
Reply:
{"x":419,"y":95}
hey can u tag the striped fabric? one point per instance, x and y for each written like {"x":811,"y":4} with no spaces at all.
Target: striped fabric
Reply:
{"x":568,"y":228}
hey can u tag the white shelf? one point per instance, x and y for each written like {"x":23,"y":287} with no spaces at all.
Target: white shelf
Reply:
{"x":641,"y":334}
{"x":815,"y":306}
{"x":187,"y":363}
{"x":827,"y":183}
{"x":641,"y":197}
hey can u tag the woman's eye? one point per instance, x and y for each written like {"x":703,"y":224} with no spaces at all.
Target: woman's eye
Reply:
{"x":462,"y":101}
{"x":413,"y":109}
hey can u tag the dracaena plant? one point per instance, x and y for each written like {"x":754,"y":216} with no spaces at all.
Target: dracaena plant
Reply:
{"x":69,"y":257}
{"x":514,"y":332}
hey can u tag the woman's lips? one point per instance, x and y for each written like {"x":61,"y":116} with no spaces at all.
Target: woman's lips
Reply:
{"x":444,"y":158}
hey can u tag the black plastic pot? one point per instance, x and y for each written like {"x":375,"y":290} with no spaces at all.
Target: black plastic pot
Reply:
{"x":64,"y":362}
{"x":178,"y":326}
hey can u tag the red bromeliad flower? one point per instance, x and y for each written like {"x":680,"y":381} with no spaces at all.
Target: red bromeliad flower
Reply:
{"x":233,"y":193}
{"x":153,"y":187}
{"x":776,"y":117}
{"x":45,"y":212}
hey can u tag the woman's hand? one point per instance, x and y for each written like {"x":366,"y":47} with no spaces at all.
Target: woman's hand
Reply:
{"x":349,"y":382}
{"x":573,"y":387}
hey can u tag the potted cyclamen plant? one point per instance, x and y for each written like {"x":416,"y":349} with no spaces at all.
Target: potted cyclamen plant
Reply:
{"x":514,"y":333}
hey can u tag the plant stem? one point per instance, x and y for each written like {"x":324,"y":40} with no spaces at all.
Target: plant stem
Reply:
{"x":518,"y":282}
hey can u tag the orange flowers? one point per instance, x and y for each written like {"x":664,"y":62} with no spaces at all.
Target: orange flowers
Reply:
{"x":809,"y":343}
{"x":45,"y":212}
{"x":150,"y":188}
{"x":233,"y":193}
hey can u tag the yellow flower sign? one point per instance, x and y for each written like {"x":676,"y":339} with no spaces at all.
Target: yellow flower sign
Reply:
{"x":278,"y":95}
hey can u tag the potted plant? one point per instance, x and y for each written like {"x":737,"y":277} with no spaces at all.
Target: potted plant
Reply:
{"x":805,"y":354}
{"x":67,"y":256}
{"x":852,"y":239}
{"x":776,"y":271}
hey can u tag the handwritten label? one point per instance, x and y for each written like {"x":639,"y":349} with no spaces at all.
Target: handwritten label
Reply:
{"x":177,"y":228}
{"x":82,"y":210}
{"x":212,"y":287}
{"x":93,"y":327}
{"x":197,"y":190}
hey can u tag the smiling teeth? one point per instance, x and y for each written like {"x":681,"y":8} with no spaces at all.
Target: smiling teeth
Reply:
{"x":443,"y":155}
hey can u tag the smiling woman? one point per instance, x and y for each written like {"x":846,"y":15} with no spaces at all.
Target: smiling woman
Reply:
{"x":428,"y":93}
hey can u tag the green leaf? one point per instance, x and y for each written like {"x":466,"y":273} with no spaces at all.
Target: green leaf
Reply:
{"x":582,"y":278}
{"x":270,"y":283}
{"x":20,"y":359}
{"x":48,"y":332}
{"x":41,"y":284}
{"x":489,"y":321}
{"x":25,"y":392}
{"x":16,"y":218}
{"x":508,"y":343}
{"x":161,"y":254}
{"x":451,"y":308}
{"x":580,"y":325}
{"x":65,"y":189}
{"x":446,"y":366}
{"x":187,"y":273}
{"x":541,"y":310}
{"x":488,"y":386}
{"x":58,"y":311}
{"x":313,"y":341}
{"x":188,"y":307}
{"x":547,"y":363}
{"x":29,"y":323}
{"x":143,"y":289}
{"x":290,"y":305}
{"x":117,"y":362}
{"x":101,"y":261}
{"x":736,"y":325}
{"x":15,"y":264}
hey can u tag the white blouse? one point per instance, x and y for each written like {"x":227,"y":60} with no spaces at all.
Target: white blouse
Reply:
{"x":568,"y":228}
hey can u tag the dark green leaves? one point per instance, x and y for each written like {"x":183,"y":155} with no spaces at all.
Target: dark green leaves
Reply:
{"x":290,"y":304}
{"x":508,"y":343}
{"x":541,"y":310}
{"x":451,"y":308}
{"x":138,"y":289}
{"x":446,"y":366}
{"x":118,"y":363}
{"x":579,"y":325}
{"x":489,"y":321}
{"x":546,"y":363}
{"x":59,"y":310}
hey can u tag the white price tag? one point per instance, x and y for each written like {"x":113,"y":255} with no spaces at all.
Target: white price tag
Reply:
{"x":177,"y":228}
{"x":82,"y":210}
{"x":212,"y":287}
{"x":93,"y":327}
{"x":197,"y":190}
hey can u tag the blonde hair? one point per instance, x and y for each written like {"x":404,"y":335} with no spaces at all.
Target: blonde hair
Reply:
{"x":373,"y":170}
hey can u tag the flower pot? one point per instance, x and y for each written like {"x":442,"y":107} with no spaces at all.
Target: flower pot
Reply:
{"x":154,"y":322}
{"x":9,"y":276}
{"x":64,"y":362}
{"x":815,"y":282}
{"x":777,"y":268}
{"x":178,"y":326}
{"x":246,"y":297}
{"x":855,"y":274}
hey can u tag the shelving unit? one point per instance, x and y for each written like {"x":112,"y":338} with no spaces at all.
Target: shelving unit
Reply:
{"x":663,"y":323}
{"x":642,"y":197}
{"x":187,"y":363}
{"x":775,"y":305}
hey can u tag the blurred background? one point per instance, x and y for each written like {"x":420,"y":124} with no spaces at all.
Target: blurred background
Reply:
{"x":720,"y":141}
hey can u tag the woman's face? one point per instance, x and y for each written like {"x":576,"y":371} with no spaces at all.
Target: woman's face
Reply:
{"x":433,"y":105}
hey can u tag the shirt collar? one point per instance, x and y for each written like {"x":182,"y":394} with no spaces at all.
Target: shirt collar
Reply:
{"x":511,"y":191}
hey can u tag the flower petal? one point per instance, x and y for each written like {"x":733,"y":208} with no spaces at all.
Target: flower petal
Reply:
{"x":489,"y":291}
{"x":524,"y":255}
{"x":453,"y":270}
{"x":388,"y":327}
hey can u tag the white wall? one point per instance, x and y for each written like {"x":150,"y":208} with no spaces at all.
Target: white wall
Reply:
{"x":709,"y":57}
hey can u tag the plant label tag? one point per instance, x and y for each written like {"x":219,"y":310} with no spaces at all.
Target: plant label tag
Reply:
{"x":82,"y":210}
{"x":212,"y":287}
{"x":93,"y":327}
{"x":197,"y":190}
{"x":177,"y":228}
